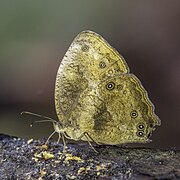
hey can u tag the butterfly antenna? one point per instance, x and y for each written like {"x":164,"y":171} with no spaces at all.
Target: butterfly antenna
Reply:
{"x":40,"y":121}
{"x":46,"y":119}
{"x":37,"y":115}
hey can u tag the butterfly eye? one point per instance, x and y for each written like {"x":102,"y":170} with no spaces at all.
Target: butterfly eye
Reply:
{"x":85,"y":48}
{"x":140,"y":133}
{"x":102,"y":64}
{"x":134,"y":114}
{"x":110,"y":86}
{"x":140,"y":126}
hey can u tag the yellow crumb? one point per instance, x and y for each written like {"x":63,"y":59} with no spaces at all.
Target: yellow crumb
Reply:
{"x":47,"y":155}
{"x":30,"y":141}
{"x":35,"y":159}
{"x":36,"y":155}
{"x":81,"y":169}
{"x":42,"y":147}
{"x":70,"y":157}
{"x":42,"y":173}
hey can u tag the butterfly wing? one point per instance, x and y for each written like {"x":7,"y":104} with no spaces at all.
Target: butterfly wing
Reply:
{"x":117,"y":111}
{"x":88,"y":61}
{"x":128,"y":103}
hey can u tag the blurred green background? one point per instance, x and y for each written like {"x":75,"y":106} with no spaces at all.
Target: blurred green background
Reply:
{"x":34,"y":36}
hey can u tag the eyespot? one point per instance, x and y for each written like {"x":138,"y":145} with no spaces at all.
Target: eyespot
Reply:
{"x":110,"y":86}
{"x":140,"y":133}
{"x":134,"y":114}
{"x":102,"y":64}
{"x":140,"y":126}
{"x":85,"y":48}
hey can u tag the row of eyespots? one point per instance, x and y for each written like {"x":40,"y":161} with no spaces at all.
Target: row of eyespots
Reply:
{"x":85,"y":48}
{"x":140,"y":126}
{"x":133,"y":114}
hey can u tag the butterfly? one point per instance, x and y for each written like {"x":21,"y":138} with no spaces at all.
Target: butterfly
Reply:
{"x":97,"y":98}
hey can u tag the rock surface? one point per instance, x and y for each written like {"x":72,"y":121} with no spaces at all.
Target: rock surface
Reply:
{"x":22,"y":159}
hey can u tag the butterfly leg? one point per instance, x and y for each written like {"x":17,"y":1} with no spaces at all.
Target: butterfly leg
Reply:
{"x":61,"y":134}
{"x":50,"y":137}
{"x":87,"y":137}
{"x":86,"y":134}
{"x":59,"y":137}
{"x":64,"y":142}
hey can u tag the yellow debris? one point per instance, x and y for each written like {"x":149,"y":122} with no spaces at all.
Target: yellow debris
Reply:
{"x":81,"y":169}
{"x":42,"y":147}
{"x":47,"y":155}
{"x":70,"y":157}
{"x":30,"y":141}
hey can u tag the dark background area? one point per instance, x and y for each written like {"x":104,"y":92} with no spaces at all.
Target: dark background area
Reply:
{"x":34,"y":36}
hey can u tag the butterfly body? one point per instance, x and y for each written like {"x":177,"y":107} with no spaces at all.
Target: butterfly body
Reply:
{"x":96,"y":94}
